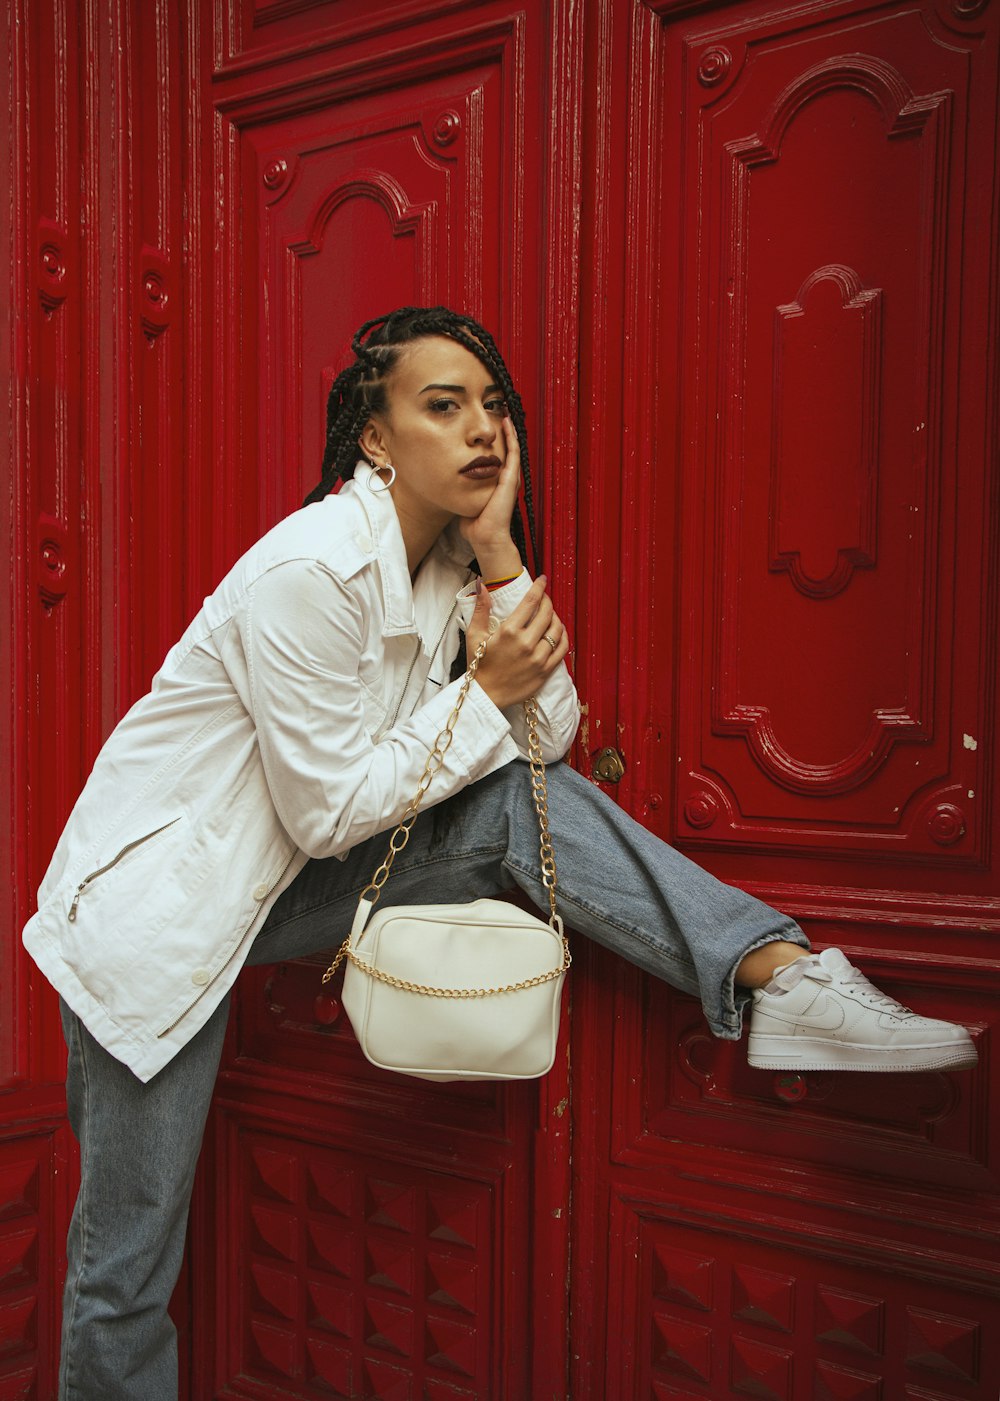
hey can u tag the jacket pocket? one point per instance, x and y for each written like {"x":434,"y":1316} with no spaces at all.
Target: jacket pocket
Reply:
{"x":114,"y":862}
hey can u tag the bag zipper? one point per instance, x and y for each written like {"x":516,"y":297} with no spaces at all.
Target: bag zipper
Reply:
{"x":103,"y":869}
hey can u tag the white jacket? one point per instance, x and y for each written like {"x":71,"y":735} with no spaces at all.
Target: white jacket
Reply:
{"x":292,"y":719}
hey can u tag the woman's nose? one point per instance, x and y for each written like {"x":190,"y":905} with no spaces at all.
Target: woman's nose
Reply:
{"x":483,"y":428}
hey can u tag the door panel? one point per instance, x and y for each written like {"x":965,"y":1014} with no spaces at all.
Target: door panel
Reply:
{"x":807,"y":671}
{"x":359,"y":1233}
{"x":51,"y":630}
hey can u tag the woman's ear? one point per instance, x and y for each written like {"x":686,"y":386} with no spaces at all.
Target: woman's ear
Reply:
{"x":370,"y":441}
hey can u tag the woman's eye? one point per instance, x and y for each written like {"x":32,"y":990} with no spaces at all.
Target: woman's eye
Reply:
{"x":497,"y":406}
{"x":442,"y":405}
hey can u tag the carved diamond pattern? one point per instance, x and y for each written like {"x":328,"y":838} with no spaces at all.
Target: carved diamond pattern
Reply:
{"x":330,"y":1248}
{"x":386,"y":1383}
{"x":389,"y":1265}
{"x":389,"y":1327}
{"x":451,"y":1282}
{"x":391,"y":1205}
{"x":684,"y":1348}
{"x":19,"y":1260}
{"x":276,"y":1348}
{"x":26,"y":1257}
{"x":361,"y":1277}
{"x":331,"y":1192}
{"x":276,"y":1291}
{"x":18,"y":1326}
{"x":671,"y":1393}
{"x":18,"y":1188}
{"x":452,"y":1219}
{"x":682,"y":1277}
{"x":704,"y":1300}
{"x":760,"y":1296}
{"x":276,"y":1174}
{"x":942,"y":1344}
{"x":331,"y":1308}
{"x":330,"y":1366}
{"x":275,"y":1232}
{"x":451,"y":1345}
{"x":759,"y":1370}
{"x":853,"y":1320}
{"x":842,"y":1384}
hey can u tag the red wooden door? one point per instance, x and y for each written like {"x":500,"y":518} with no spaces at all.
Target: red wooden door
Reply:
{"x":744,"y":264}
{"x":107,"y":519}
{"x":790,"y":234}
{"x":359,"y":1234}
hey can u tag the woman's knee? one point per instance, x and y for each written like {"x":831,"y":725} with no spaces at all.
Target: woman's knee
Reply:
{"x":571,"y":786}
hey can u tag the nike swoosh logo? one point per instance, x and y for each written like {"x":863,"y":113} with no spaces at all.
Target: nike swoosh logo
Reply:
{"x":826,"y":1014}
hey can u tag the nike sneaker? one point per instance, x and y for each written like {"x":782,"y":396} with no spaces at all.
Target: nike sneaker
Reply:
{"x":822,"y":1013}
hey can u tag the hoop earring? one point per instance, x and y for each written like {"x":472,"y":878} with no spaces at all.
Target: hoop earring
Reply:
{"x":378,"y":490}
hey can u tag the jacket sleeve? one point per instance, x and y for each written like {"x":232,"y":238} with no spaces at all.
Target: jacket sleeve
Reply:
{"x":301,"y":633}
{"x":557,"y":700}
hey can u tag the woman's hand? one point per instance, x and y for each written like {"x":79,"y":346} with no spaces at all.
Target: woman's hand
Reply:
{"x":489,"y":532}
{"x":523,"y":651}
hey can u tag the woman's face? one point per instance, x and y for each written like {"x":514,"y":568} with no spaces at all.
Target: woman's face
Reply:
{"x":442,"y":432}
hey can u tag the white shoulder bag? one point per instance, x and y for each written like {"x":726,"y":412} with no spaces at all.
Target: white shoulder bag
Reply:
{"x":458,"y":992}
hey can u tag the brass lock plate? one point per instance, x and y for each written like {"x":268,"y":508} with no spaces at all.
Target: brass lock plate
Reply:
{"x":607,"y":766}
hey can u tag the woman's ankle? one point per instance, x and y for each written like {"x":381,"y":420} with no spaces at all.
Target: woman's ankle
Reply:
{"x":759,"y":966}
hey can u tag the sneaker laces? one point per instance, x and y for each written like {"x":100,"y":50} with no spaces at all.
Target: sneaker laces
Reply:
{"x":831,"y":966}
{"x":875,"y":997}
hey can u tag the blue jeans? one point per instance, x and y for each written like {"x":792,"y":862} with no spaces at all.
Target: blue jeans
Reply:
{"x":617,"y":883}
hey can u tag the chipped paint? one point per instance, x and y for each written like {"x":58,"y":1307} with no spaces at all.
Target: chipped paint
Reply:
{"x":561,"y":1108}
{"x":969,"y":742}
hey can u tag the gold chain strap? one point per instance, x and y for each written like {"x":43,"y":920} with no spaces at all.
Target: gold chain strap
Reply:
{"x":381,"y":977}
{"x":399,"y":838}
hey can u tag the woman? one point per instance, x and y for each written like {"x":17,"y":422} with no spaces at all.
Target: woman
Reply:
{"x":233,"y":815}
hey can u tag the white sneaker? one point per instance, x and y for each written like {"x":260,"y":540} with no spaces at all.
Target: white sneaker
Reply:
{"x":822,"y":1013}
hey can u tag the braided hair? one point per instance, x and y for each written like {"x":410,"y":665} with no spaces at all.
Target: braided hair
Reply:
{"x":359,"y":391}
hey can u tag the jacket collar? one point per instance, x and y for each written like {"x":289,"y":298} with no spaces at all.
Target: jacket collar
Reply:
{"x":390,"y":552}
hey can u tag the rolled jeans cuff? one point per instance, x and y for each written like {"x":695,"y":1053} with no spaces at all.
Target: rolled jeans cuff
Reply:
{"x":734,"y":1000}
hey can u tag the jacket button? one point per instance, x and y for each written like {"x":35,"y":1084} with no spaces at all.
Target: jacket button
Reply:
{"x":260,"y":891}
{"x":200,"y":977}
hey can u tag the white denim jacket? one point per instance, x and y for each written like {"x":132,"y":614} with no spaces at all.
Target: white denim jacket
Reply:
{"x":291,"y":720}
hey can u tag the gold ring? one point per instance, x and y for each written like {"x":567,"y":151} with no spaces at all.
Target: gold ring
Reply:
{"x":551,"y":641}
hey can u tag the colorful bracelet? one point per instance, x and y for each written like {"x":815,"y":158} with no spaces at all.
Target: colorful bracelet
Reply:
{"x":492,"y":584}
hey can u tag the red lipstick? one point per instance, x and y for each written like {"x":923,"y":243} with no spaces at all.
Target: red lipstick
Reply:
{"x":482,"y":468}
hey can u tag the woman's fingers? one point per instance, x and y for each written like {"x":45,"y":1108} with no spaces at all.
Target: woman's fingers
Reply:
{"x":522,"y":614}
{"x":510,"y":442}
{"x":555,"y":640}
{"x":492,"y":526}
{"x":504,"y":496}
{"x":509,"y":480}
{"x":559,"y":651}
{"x":525,"y":650}
{"x":535,"y":616}
{"x":538,"y":625}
